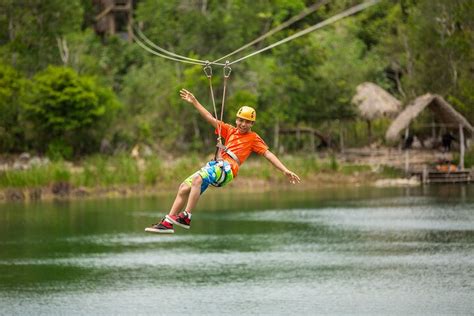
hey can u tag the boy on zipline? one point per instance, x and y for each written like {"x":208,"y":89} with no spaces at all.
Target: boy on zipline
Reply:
{"x":239,"y":142}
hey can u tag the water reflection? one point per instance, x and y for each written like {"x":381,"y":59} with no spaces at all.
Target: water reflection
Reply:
{"x":292,"y":252}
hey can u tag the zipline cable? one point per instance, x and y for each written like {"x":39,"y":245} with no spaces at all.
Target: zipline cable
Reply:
{"x":142,"y":45}
{"x":287,"y":23}
{"x":292,"y":20}
{"x":153,"y":45}
{"x":331,"y":20}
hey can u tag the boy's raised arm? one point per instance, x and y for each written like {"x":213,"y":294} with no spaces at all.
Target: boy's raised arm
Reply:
{"x":189,"y":97}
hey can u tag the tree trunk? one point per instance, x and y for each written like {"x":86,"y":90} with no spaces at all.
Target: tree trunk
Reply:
{"x":461,"y":147}
{"x":341,"y":137}
{"x":369,"y":131}
{"x":276,"y":135}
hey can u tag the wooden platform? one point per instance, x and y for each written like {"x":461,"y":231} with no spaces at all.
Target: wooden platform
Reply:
{"x":445,"y":177}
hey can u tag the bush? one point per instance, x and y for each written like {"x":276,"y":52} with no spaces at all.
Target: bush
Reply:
{"x":67,"y":111}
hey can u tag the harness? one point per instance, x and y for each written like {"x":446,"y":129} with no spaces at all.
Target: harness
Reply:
{"x":229,"y":152}
{"x":220,"y":147}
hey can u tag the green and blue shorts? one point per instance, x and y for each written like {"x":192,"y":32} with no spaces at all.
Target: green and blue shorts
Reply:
{"x":215,"y":173}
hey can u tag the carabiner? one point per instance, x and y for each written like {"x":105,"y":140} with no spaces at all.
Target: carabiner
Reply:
{"x":227,"y":70}
{"x":207,"y":69}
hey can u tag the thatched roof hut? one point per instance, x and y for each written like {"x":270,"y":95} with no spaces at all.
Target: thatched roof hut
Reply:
{"x":443,"y":111}
{"x":374,"y":102}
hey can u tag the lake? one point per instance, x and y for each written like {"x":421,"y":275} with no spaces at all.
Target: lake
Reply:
{"x":323,"y":251}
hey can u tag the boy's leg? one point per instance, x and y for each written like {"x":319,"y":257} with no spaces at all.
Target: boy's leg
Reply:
{"x":195,"y":186}
{"x":194,"y":194}
{"x":180,"y":200}
{"x":191,"y":188}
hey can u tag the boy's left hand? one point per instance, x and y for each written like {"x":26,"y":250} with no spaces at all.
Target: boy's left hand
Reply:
{"x":187,"y":96}
{"x":293,"y":177}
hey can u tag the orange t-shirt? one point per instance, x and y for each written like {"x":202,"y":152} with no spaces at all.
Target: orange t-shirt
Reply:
{"x":242,"y":145}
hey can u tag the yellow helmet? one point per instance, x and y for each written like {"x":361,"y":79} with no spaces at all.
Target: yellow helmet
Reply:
{"x":247,"y":113}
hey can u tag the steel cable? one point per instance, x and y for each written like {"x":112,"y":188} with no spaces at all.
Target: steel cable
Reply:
{"x":287,"y":23}
{"x":326,"y":22}
{"x":153,"y":45}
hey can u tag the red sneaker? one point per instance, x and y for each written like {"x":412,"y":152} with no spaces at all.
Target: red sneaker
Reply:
{"x":163,"y":227}
{"x":182,"y":219}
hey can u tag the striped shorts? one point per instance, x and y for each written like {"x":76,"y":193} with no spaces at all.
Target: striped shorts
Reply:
{"x":215,"y":173}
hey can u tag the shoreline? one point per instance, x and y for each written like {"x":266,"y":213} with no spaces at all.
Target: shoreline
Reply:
{"x":122,"y":176}
{"x":65,"y":191}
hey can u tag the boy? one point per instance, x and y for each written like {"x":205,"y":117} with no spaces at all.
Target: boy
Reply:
{"x":239,"y":142}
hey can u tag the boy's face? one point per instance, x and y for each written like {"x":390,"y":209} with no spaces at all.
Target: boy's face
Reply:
{"x":243,"y":125}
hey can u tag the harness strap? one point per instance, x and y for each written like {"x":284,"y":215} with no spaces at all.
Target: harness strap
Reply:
{"x":221,"y":178}
{"x":228,"y":152}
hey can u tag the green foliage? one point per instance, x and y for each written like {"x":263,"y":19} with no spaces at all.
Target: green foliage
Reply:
{"x":12,"y":88}
{"x":334,"y":165}
{"x":148,"y":115}
{"x":355,"y":133}
{"x":66,"y":108}
{"x":31,"y":31}
{"x":391,"y":172}
{"x":428,"y":46}
{"x":153,"y":171}
{"x":469,"y":158}
{"x":407,"y":47}
{"x":58,"y":150}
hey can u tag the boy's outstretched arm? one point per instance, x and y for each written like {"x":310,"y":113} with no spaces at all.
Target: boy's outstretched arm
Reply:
{"x":293,"y":177}
{"x":189,"y":97}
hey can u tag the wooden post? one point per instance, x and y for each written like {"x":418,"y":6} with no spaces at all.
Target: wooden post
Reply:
{"x":369,"y":131}
{"x":407,"y":155}
{"x":341,"y":132}
{"x":424,"y":175}
{"x":298,"y":138}
{"x":461,"y":147}
{"x":433,"y":130}
{"x":111,"y":20}
{"x":130,"y":22}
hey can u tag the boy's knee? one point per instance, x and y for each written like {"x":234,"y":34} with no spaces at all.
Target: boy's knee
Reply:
{"x":197,"y":181}
{"x":184,"y":188}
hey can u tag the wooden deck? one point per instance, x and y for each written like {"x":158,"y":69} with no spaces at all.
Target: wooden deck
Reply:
{"x":464,"y":176}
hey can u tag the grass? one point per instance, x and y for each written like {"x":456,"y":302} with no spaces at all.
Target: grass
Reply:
{"x":36,"y":176}
{"x":107,"y":171}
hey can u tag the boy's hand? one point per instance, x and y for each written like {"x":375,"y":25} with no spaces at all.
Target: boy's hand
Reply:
{"x":187,"y":96}
{"x":293,"y":177}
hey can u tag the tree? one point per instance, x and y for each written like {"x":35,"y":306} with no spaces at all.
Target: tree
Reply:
{"x":68,"y":112}
{"x":12,"y":87}
{"x":31,"y":30}
{"x":427,"y":47}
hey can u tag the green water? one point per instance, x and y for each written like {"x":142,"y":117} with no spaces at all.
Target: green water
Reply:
{"x":335,"y":251}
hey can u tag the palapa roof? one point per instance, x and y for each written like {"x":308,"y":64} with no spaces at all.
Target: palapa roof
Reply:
{"x":374,"y":102}
{"x":443,"y":111}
